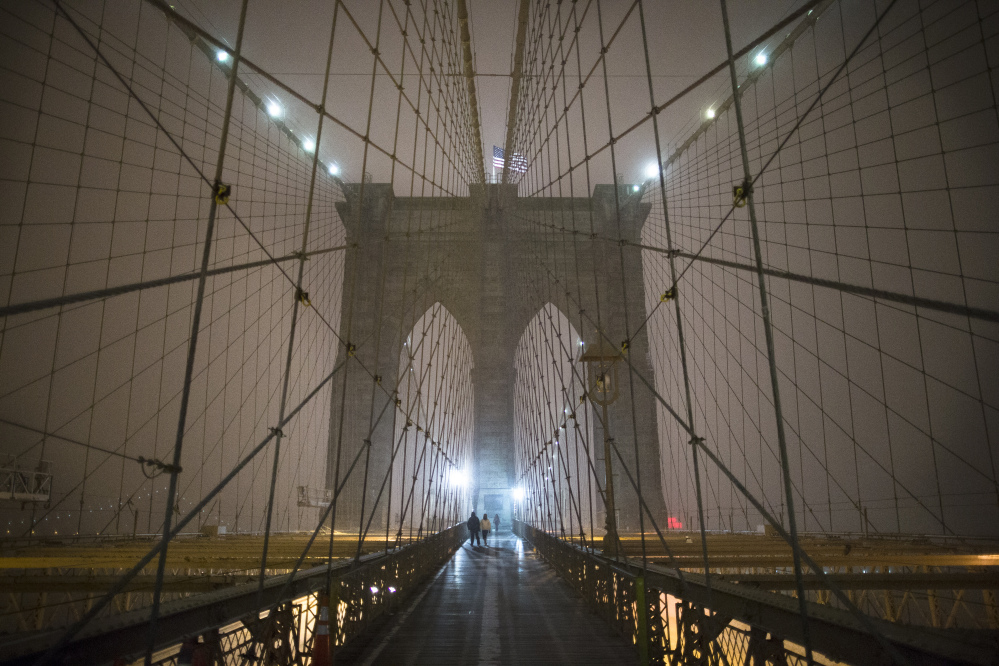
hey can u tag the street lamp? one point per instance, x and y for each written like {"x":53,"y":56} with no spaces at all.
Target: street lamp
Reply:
{"x":602,"y":389}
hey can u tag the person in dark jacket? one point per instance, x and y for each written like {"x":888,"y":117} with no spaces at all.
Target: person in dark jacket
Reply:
{"x":473,"y":530}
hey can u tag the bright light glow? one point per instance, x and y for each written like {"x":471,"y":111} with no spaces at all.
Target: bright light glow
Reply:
{"x":635,"y":188}
{"x":710,"y":113}
{"x":459,"y":477}
{"x":334,"y":170}
{"x":374,"y":590}
{"x":308,"y":145}
{"x":392,"y":590}
{"x":519,"y":494}
{"x":273,"y":109}
{"x":222,"y":55}
{"x":760,"y":59}
{"x":651,"y":170}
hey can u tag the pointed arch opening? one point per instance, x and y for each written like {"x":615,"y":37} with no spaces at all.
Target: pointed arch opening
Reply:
{"x":553,"y":429}
{"x":431,"y":467}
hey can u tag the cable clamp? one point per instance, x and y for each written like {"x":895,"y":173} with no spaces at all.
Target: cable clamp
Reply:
{"x":696,"y":440}
{"x":367,"y":442}
{"x":378,"y":379}
{"x":301,"y":255}
{"x":277,"y":432}
{"x":351,"y":349}
{"x":740,"y":194}
{"x":222,"y":193}
{"x":160,"y":465}
{"x":303,"y":298}
{"x":668,"y":295}
{"x":624,"y":346}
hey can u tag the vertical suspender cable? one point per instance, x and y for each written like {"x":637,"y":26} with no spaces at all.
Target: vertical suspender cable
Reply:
{"x":192,"y":346}
{"x":768,"y":332}
{"x":294,"y":313}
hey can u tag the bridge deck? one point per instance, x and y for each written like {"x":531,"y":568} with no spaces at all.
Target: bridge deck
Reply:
{"x":498,"y":605}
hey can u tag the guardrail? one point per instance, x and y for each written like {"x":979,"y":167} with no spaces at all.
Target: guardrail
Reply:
{"x":234,"y":626}
{"x":681,"y":619}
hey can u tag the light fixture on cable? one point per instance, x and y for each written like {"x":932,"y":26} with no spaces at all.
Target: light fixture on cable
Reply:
{"x":334,"y":170}
{"x":651,"y":170}
{"x":222,"y":55}
{"x":308,"y":145}
{"x":274,"y":109}
{"x":760,"y":59}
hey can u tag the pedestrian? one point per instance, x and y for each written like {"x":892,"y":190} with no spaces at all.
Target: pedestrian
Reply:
{"x":496,"y":519}
{"x":473,"y":530}
{"x":485,"y":526}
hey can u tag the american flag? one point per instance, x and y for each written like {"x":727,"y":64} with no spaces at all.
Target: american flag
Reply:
{"x":518,"y":163}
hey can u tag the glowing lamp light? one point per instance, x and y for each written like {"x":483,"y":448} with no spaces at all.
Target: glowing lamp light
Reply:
{"x":710,"y":113}
{"x":308,"y":145}
{"x":519,"y":494}
{"x":760,"y":59}
{"x":273,"y":109}
{"x":334,"y":170}
{"x":635,"y":188}
{"x":651,"y":170}
{"x":374,"y":589}
{"x":459,"y":477}
{"x":222,"y":56}
{"x":392,"y":590}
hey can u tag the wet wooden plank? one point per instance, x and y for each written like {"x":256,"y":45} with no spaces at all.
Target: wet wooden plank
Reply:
{"x":498,"y":605}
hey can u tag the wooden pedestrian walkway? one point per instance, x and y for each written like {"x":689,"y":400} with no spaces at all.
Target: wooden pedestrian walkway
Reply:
{"x":497,"y":605}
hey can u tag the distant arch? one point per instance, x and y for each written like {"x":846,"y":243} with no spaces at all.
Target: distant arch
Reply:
{"x":434,"y":429}
{"x":553,"y":425}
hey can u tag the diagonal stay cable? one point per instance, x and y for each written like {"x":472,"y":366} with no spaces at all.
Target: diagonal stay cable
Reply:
{"x":832,"y":586}
{"x":191,"y":276}
{"x":801,"y":11}
{"x":109,"y":292}
{"x":780,"y":147}
{"x":99,"y":604}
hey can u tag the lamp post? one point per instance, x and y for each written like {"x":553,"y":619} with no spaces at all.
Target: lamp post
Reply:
{"x":602,"y":390}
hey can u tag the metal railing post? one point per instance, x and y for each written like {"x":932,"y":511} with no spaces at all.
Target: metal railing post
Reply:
{"x":642,"y":621}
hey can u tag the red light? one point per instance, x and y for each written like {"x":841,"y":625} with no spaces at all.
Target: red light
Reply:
{"x":674,"y":523}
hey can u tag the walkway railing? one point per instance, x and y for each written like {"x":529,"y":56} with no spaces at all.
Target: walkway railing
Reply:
{"x":229,"y":627}
{"x":666,"y":615}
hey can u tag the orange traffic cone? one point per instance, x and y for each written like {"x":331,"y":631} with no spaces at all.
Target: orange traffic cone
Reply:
{"x":321,"y":636}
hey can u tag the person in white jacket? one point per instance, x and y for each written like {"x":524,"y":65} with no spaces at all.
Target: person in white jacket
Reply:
{"x":485,"y":526}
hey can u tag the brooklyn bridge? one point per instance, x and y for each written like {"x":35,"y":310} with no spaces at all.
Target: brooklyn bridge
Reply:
{"x":526,"y":332}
